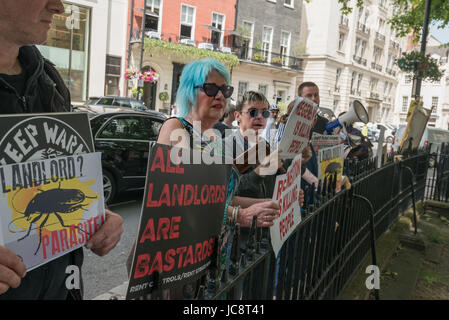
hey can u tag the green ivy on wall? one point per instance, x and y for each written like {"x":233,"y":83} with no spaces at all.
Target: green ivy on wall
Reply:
{"x":163,"y":48}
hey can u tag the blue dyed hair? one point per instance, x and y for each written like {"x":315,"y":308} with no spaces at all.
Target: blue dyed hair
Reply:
{"x":195,"y":73}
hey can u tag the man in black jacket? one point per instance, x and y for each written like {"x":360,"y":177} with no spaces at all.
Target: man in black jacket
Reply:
{"x":31,"y":84}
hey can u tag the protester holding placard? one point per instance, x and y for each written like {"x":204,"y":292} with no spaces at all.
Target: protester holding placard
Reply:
{"x":201,"y":99}
{"x":31,"y":84}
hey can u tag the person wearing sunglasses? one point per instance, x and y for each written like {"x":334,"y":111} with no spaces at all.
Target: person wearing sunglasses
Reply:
{"x":202,"y":97}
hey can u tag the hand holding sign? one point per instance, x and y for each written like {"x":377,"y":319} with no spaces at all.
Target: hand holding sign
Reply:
{"x":12,"y":269}
{"x":107,"y":237}
{"x":266,"y":213}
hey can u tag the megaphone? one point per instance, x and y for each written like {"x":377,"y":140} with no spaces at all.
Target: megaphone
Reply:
{"x":357,"y":113}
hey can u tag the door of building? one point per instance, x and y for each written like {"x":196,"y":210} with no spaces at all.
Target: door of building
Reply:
{"x":176,"y":79}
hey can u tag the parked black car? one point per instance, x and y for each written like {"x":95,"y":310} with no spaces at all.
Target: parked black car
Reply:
{"x":124,"y":140}
{"x":111,"y":104}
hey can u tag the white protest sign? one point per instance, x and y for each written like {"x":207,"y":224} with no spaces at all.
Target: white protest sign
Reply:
{"x":50,"y":207}
{"x":286,"y":194}
{"x":297,"y":129}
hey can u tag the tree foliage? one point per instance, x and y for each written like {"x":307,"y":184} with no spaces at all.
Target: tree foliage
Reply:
{"x":408,"y":15}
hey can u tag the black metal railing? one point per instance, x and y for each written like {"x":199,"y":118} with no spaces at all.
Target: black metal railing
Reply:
{"x":380,"y":37}
{"x":359,"y":60}
{"x":337,"y":232}
{"x":258,"y":55}
{"x":438,"y":178}
{"x":243,"y":52}
{"x":376,"y":66}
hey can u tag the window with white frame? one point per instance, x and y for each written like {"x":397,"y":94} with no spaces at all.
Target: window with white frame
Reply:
{"x":380,"y":25}
{"x":263,"y":88}
{"x":389,"y":89}
{"x":288,"y":3}
{"x":187,"y":21}
{"x":354,"y":74}
{"x":247,"y":40}
{"x":362,"y":49}
{"x":377,"y":54}
{"x":218,"y":21}
{"x":434,"y":104}
{"x":152,"y":15}
{"x":360,"y":15}
{"x":266,"y":40}
{"x":404,"y":103}
{"x":373,"y":84}
{"x":337,"y":79}
{"x":285,"y":46}
{"x":359,"y":82}
{"x":408,"y":79}
{"x":357,"y":45}
{"x":243,"y":87}
{"x":341,"y":41}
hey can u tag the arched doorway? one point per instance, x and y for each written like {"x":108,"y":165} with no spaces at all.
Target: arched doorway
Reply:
{"x":149,"y":91}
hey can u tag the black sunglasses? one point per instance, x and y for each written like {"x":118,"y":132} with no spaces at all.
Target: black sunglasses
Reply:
{"x":211,"y":89}
{"x":253,"y":113}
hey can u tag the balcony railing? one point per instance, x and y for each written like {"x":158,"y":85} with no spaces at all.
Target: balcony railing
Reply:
{"x":394,"y":44}
{"x":376,"y":66}
{"x":374,"y":95}
{"x":243,"y":53}
{"x":268,"y":57}
{"x":363,"y":28}
{"x":359,"y":60}
{"x":344,"y":21}
{"x":380,"y":37}
{"x":391,"y":72}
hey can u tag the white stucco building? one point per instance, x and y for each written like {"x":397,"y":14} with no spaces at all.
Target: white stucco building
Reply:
{"x":88,"y":45}
{"x":352,"y":57}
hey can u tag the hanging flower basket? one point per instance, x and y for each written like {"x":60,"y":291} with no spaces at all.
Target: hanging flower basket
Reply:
{"x":417,"y":63}
{"x":147,"y":76}
{"x":131,"y":74}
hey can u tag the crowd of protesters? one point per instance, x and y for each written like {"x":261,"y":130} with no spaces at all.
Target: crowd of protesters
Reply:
{"x":27,"y":81}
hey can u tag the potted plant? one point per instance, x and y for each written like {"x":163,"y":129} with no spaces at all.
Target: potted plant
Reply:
{"x":276,"y":61}
{"x":259,"y":57}
{"x":163,"y":96}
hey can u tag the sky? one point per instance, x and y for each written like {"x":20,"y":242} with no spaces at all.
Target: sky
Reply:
{"x":441,"y":34}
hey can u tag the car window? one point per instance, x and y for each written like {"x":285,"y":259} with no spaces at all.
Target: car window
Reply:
{"x":123,"y":128}
{"x":92,"y":101}
{"x":106,"y":101}
{"x":122,"y":103}
{"x":151,"y":128}
{"x":137,"y":105}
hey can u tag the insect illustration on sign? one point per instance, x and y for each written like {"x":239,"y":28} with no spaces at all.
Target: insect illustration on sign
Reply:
{"x":56,"y":201}
{"x":332,"y":168}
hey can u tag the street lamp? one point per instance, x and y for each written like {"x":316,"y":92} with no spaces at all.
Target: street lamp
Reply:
{"x":416,"y":88}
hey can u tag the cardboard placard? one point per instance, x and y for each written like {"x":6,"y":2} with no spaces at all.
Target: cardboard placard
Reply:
{"x":51,"y":185}
{"x":297,"y":129}
{"x":286,"y":194}
{"x":181,"y":219}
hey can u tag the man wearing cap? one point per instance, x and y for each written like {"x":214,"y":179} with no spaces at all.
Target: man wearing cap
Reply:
{"x":274,"y":112}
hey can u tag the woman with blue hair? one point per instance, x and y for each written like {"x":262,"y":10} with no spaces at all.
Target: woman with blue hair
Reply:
{"x":202,"y":97}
